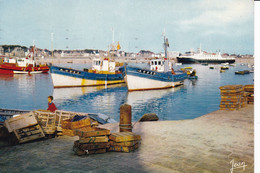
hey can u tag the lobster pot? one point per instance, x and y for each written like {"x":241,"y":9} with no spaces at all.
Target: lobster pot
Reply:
{"x":125,"y":118}
{"x":231,"y":97}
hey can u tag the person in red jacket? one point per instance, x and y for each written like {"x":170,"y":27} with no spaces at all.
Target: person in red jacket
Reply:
{"x":51,"y":105}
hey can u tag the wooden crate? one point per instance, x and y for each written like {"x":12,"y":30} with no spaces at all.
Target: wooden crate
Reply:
{"x":232,"y":97}
{"x":249,"y":88}
{"x":230,"y":87}
{"x":81,"y":152}
{"x":124,"y":137}
{"x":63,"y":115}
{"x":66,"y":124}
{"x":95,"y":139}
{"x":94,"y":131}
{"x":229,"y":102}
{"x":81,"y":123}
{"x":91,"y":146}
{"x":231,"y":94}
{"x":230,"y":106}
{"x":47,"y":120}
{"x":229,"y":109}
{"x":123,"y":144}
{"x":20,"y":121}
{"x":70,"y":132}
{"x":29,"y":133}
{"x":123,"y":149}
{"x":250,"y":98}
{"x":235,"y":99}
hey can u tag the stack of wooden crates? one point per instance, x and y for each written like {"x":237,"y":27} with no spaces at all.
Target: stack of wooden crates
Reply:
{"x":96,"y":140}
{"x":23,"y":128}
{"x":124,"y":141}
{"x":93,"y":140}
{"x":68,"y":126}
{"x":234,"y":97}
{"x":231,"y":97}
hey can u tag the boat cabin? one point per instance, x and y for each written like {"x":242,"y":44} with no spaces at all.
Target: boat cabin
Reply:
{"x":103,"y":65}
{"x":21,"y":62}
{"x":157,"y":65}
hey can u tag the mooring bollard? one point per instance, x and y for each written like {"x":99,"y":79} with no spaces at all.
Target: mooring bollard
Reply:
{"x":125,"y":118}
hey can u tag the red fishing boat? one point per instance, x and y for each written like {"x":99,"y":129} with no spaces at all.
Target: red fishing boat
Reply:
{"x":22,"y":65}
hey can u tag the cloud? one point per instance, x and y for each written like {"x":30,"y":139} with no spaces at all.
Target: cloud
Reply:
{"x":219,"y":14}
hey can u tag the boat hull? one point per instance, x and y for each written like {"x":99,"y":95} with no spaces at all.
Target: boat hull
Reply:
{"x":140,"y":79}
{"x":11,"y":69}
{"x":65,"y":77}
{"x":188,"y":60}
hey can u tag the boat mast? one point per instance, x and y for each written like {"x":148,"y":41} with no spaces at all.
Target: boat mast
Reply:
{"x":52,"y":44}
{"x":165,"y":45}
{"x":33,"y":50}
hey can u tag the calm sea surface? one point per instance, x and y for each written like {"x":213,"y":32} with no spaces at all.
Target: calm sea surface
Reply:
{"x":193,"y":99}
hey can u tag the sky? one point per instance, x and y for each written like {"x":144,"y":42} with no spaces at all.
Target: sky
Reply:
{"x":225,"y":25}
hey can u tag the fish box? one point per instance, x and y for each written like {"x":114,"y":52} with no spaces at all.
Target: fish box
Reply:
{"x":230,"y":106}
{"x":123,"y":144}
{"x":249,"y":88}
{"x":231,"y":87}
{"x":20,"y":121}
{"x":229,"y":109}
{"x":123,"y":149}
{"x":231,"y":94}
{"x":29,"y":133}
{"x":229,"y":102}
{"x":95,"y":139}
{"x":66,"y":124}
{"x":95,"y":146}
{"x":91,"y":132}
{"x":81,"y":152}
{"x":124,"y":136}
{"x":70,"y":132}
{"x":81,"y":123}
{"x":231,"y":99}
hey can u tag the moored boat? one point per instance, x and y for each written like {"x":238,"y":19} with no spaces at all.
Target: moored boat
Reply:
{"x":159,"y":76}
{"x":22,"y":65}
{"x":242,"y":72}
{"x":103,"y":72}
{"x":224,"y":67}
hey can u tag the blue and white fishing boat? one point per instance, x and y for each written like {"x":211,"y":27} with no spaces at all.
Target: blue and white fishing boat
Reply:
{"x":103,"y":72}
{"x":159,"y":76}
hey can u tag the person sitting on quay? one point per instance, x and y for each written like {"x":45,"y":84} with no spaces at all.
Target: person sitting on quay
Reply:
{"x":51,"y":105}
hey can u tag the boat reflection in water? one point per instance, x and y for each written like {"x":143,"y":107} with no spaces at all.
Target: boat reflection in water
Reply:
{"x":63,"y":94}
{"x":143,"y":97}
{"x":98,"y":99}
{"x":150,"y":101}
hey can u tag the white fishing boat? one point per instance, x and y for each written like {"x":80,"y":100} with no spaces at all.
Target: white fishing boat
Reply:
{"x":103,"y":72}
{"x":158,"y":76}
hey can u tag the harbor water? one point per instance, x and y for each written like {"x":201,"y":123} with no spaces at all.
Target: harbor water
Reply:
{"x":195,"y":98}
